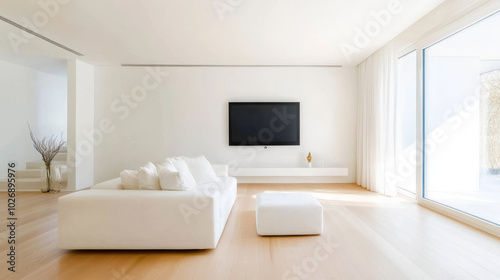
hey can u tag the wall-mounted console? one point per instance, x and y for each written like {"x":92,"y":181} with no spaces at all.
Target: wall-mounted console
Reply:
{"x":288,"y":171}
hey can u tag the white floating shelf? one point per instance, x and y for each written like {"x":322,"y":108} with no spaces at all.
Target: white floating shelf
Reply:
{"x":285,"y":172}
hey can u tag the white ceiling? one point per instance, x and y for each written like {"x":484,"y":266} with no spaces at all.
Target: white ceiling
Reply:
{"x":293,"y":32}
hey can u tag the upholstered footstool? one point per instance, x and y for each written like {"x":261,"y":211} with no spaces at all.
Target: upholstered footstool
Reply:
{"x":288,"y":214}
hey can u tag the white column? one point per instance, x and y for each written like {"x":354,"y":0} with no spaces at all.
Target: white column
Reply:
{"x":80,"y":125}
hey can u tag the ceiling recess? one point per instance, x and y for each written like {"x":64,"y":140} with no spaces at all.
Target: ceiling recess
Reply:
{"x":222,"y":65}
{"x":39,"y":35}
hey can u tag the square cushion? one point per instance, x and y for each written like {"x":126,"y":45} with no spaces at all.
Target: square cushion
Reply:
{"x":148,"y":177}
{"x":177,"y":164}
{"x":129,"y":179}
{"x":170,"y":178}
{"x":201,"y":169}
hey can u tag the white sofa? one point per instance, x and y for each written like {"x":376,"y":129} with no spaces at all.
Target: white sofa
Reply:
{"x":107,"y":217}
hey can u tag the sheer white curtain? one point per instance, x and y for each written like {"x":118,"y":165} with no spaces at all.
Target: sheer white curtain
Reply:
{"x":376,"y":123}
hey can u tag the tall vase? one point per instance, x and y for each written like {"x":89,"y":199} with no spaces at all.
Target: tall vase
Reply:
{"x":51,"y":178}
{"x":45,"y":178}
{"x":55,"y":179}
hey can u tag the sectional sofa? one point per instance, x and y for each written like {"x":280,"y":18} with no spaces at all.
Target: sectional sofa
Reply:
{"x":109,"y":217}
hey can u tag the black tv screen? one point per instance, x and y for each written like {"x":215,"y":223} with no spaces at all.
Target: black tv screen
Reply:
{"x":264,"y":123}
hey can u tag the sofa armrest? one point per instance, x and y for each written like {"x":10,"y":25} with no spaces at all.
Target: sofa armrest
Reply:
{"x":221,"y":170}
{"x":113,"y":184}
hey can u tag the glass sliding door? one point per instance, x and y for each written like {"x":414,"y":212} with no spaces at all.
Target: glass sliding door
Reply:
{"x":406,"y":123}
{"x":462,"y":120}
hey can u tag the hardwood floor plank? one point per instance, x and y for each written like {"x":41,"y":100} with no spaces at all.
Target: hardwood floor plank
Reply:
{"x":366,"y":236}
{"x":410,"y":245}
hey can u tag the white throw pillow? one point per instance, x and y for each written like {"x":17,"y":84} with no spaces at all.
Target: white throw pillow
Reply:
{"x":148,"y":177}
{"x":201,"y":169}
{"x":170,"y":179}
{"x":187,"y":179}
{"x":129,"y":179}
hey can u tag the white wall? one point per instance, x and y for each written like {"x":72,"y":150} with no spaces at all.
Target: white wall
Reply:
{"x":80,"y":124}
{"x":186,"y":114}
{"x":33,"y":96}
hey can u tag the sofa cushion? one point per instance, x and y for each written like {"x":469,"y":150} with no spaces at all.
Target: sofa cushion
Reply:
{"x":201,"y":169}
{"x":129,"y":179}
{"x":148,"y":177}
{"x":170,"y":179}
{"x":178,"y":164}
{"x":221,"y":170}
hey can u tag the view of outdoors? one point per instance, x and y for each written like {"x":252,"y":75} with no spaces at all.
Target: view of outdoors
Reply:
{"x":462,"y":120}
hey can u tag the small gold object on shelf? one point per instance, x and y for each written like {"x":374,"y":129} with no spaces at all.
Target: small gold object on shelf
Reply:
{"x":309,"y":158}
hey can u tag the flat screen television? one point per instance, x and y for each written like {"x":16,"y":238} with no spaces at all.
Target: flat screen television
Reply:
{"x":264,"y":123}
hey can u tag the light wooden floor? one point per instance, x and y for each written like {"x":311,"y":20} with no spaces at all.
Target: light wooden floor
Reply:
{"x":370,"y":237}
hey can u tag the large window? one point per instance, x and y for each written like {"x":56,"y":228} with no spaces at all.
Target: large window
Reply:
{"x":406,"y":117}
{"x":462,"y":120}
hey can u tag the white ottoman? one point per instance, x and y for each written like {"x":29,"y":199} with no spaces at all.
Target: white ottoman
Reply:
{"x":288,"y":214}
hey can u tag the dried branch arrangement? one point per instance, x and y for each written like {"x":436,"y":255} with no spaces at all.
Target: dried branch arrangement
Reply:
{"x":48,"y":147}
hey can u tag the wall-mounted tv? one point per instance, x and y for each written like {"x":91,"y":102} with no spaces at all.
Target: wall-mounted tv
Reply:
{"x":264,"y":123}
